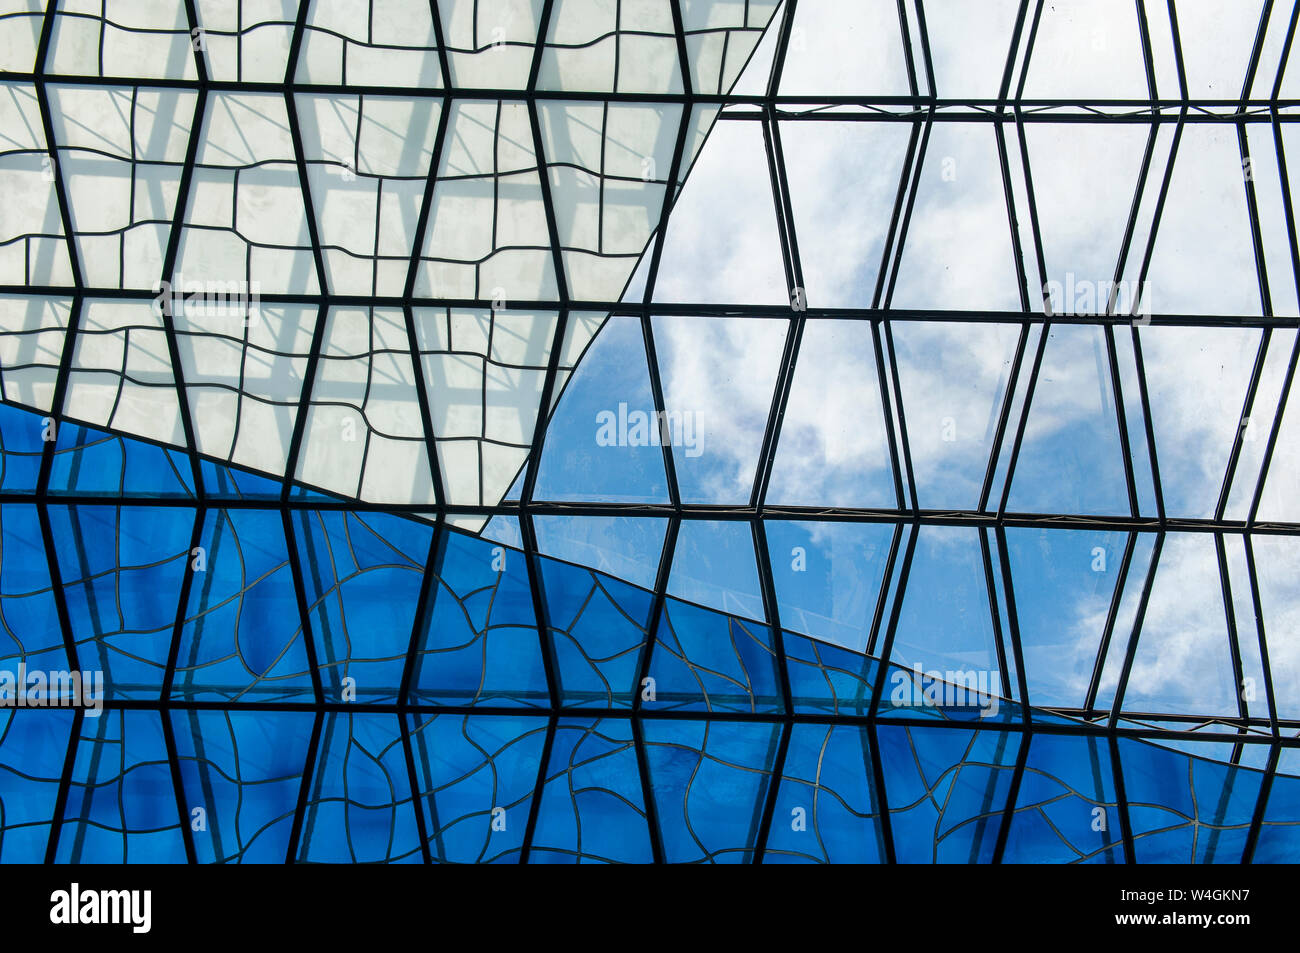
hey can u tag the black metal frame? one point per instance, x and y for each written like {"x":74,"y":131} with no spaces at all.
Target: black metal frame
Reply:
{"x":1009,"y":113}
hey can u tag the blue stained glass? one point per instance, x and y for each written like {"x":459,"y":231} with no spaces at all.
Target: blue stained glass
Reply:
{"x":827,"y":678}
{"x":121,"y":803}
{"x":598,"y":629}
{"x":1279,"y":833}
{"x":707,"y":661}
{"x":221,"y":482}
{"x":32,"y":748}
{"x":947,"y":790}
{"x":591,"y":809}
{"x":480,"y":643}
{"x":244,"y":770}
{"x":29,"y":621}
{"x":709,"y":780}
{"x":476,"y":775}
{"x":362,"y":575}
{"x":359,"y":807}
{"x":1066,"y":810}
{"x":242,"y":637}
{"x":122,"y":569}
{"x":827,"y":810}
{"x":21,"y":445}
{"x":1184,"y":809}
{"x":90,"y":462}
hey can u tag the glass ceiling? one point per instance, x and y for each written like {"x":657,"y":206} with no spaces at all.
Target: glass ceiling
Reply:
{"x":649,"y":430}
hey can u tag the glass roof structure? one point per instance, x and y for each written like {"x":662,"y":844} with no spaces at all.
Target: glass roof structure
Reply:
{"x":649,"y":431}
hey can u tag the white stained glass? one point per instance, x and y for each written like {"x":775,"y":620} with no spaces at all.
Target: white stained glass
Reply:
{"x":246,"y":220}
{"x":364,"y":438}
{"x":121,"y":376}
{"x":367,"y":164}
{"x":485,"y":372}
{"x":146,"y":39}
{"x":32,"y":249}
{"x":243,"y":370}
{"x":32,"y":332}
{"x":487,"y":235}
{"x":121,"y":153}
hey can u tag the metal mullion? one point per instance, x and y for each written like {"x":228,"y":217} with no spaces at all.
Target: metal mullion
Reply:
{"x":300,"y":591}
{"x":1152,"y":455}
{"x":637,"y":710}
{"x":543,"y":25}
{"x":1248,"y":409}
{"x":534,"y":806}
{"x":178,"y":787}
{"x":1010,"y":66}
{"x":882,"y":596}
{"x":1148,"y":55}
{"x":417,"y":246}
{"x":1256,"y":50}
{"x":1029,"y":50}
{"x":1271,"y":446}
{"x":683,"y":57}
{"x":1138,"y":620}
{"x":168,"y":271}
{"x":1234,"y":647}
{"x":657,"y":395}
{"x":782,"y":49}
{"x":886,"y":411}
{"x":1267,"y":667}
{"x":66,"y":355}
{"x":1013,"y":794}
{"x":1013,"y":380}
{"x":1289,"y":377}
{"x":990,"y":589}
{"x":444,"y":62}
{"x":1121,"y":801}
{"x":902,"y":423}
{"x":923,"y":29}
{"x":670,"y":199}
{"x":1018,"y":440}
{"x":772,"y":610}
{"x":432,"y":566}
{"x":182,"y":603}
{"x":764,"y":830}
{"x":544,"y":182}
{"x":1261,"y":805}
{"x":1013,"y":625}
{"x":794,"y":330}
{"x":304,"y":788}
{"x":701,"y":309}
{"x":537,"y":591}
{"x":65,"y":786}
{"x":1276,"y":92}
{"x":39,"y":80}
{"x":1261,"y":270}
{"x":916,"y":170}
{"x":872,"y":729}
{"x":545,"y":404}
{"x":1178,"y":50}
{"x":1108,"y":630}
{"x":900,"y":592}
{"x":413,"y":779}
{"x":304,"y":402}
{"x":900,"y":197}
